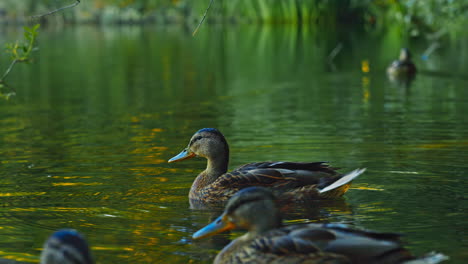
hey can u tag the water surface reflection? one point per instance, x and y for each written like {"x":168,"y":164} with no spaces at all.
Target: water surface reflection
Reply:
{"x":85,"y":142}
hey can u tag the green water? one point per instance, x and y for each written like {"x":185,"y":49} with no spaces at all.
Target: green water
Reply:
{"x":84,"y":144}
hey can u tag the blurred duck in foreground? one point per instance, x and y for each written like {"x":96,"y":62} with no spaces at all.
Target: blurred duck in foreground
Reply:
{"x":66,"y":246}
{"x":403,"y":67}
{"x":290,"y":180}
{"x":267,"y":241}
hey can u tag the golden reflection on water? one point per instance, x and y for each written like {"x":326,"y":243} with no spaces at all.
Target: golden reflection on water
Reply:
{"x":365,"y":66}
{"x":50,"y":209}
{"x":125,"y":178}
{"x":365,"y":89}
{"x":101,"y":248}
{"x":71,"y":177}
{"x":444,"y":144}
{"x":23,"y":257}
{"x":367,"y":188}
{"x":21,"y":194}
{"x":75,"y":183}
{"x":374,"y":207}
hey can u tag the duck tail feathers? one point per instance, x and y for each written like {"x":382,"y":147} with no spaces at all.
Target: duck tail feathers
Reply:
{"x":429,"y":258}
{"x":343,"y":180}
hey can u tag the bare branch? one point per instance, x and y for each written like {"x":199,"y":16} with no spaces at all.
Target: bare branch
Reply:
{"x":332,"y":56}
{"x":12,"y":64}
{"x":57,"y":10}
{"x":334,"y":52}
{"x":203,"y":18}
{"x":430,"y":50}
{"x":4,"y":85}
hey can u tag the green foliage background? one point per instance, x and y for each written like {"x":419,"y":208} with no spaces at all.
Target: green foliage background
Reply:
{"x":414,"y":15}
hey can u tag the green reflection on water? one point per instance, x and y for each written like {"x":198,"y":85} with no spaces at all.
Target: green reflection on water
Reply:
{"x":85,"y":142}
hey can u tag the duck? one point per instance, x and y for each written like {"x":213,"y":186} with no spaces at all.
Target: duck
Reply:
{"x":292,"y":181}
{"x":66,"y":246}
{"x":268,"y":241}
{"x":403,"y":67}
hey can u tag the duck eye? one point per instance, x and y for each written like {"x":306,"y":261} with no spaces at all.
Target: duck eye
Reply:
{"x":195,"y":139}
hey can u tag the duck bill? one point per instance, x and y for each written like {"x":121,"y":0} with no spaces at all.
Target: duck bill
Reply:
{"x":182,"y":156}
{"x":219,"y":225}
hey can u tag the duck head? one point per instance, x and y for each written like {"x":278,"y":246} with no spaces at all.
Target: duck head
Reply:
{"x":208,"y":143}
{"x":66,"y":246}
{"x":405,"y":55}
{"x":251,"y":208}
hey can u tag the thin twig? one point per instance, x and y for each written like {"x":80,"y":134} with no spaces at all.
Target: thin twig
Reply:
{"x":8,"y":70}
{"x":332,"y":56}
{"x":430,"y":50}
{"x":203,"y":18}
{"x":334,"y":52}
{"x":57,"y":10}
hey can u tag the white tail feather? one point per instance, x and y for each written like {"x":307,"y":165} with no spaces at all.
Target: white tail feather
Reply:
{"x":430,"y":258}
{"x":343,"y":180}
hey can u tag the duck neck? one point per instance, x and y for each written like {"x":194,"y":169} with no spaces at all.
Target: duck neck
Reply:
{"x":270,"y":218}
{"x":264,"y":224}
{"x":240,"y":242}
{"x":216,"y":166}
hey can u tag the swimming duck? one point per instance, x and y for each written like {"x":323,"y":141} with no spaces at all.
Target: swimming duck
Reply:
{"x":292,"y":180}
{"x":267,"y":241}
{"x":403,"y":67}
{"x":66,"y":246}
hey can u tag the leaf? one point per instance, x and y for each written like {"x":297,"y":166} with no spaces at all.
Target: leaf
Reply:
{"x":27,"y":35}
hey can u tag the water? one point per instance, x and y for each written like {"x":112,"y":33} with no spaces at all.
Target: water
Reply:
{"x":84,"y":144}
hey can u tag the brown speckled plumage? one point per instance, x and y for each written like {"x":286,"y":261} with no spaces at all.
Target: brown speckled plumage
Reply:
{"x":289,"y":180}
{"x":267,"y":241}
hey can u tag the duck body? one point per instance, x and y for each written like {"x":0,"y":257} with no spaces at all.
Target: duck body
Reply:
{"x":288,"y":180}
{"x":403,"y":67}
{"x":315,"y":243}
{"x":267,"y":241}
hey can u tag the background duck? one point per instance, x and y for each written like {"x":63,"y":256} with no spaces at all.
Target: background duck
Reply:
{"x":267,"y":241}
{"x":66,"y":246}
{"x":403,"y":67}
{"x":291,"y":180}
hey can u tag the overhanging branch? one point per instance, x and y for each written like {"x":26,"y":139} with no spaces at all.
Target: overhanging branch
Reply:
{"x":203,"y":18}
{"x":57,"y":10}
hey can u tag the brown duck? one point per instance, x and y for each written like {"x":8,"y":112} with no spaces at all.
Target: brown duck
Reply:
{"x":267,"y":241}
{"x":289,"y":180}
{"x":403,"y":67}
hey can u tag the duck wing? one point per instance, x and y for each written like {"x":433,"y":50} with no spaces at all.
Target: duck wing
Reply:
{"x":281,"y":174}
{"x":356,"y":246}
{"x":278,"y":246}
{"x":289,"y":180}
{"x":307,"y":166}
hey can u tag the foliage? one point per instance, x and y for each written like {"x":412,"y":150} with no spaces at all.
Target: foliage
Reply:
{"x":19,"y":52}
{"x":416,"y":16}
{"x":420,"y":16}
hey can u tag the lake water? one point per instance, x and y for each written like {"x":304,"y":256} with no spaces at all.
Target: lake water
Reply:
{"x":85,"y":142}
